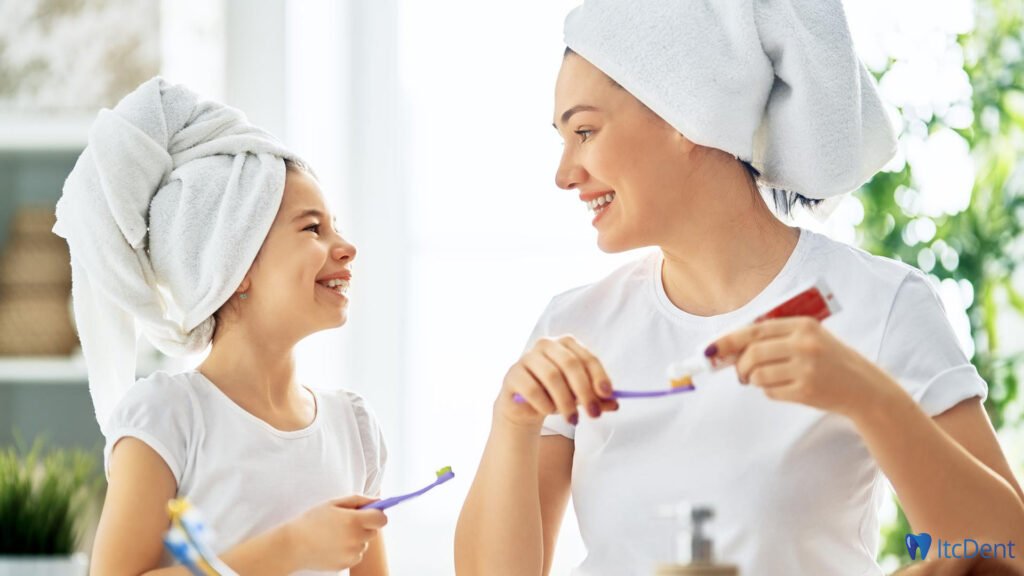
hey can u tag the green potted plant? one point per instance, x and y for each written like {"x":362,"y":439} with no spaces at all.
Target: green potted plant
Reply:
{"x":42,"y":498}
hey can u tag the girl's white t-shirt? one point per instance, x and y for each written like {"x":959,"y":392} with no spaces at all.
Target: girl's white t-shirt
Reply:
{"x":794,"y":489}
{"x":243,"y":475}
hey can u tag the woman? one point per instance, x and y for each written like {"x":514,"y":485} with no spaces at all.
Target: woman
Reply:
{"x":671,"y":111}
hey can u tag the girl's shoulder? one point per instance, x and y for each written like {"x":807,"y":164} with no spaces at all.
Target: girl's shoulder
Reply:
{"x":168,"y":392}
{"x":162,"y":411}
{"x":370,"y":436}
{"x":349,"y":402}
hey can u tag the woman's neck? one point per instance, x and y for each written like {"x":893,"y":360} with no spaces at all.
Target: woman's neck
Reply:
{"x":720,"y":261}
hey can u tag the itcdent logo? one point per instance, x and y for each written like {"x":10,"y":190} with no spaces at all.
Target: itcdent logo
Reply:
{"x":918,"y":546}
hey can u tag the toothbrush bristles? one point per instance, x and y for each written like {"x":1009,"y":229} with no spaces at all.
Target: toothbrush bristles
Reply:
{"x":682,"y":382}
{"x":444,"y":471}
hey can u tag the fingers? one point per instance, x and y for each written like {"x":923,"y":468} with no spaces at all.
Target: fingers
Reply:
{"x":352,"y":502}
{"x":771,"y":375}
{"x":549,"y":377}
{"x":372,"y":519}
{"x":577,"y":377}
{"x":558,"y":376}
{"x":761,"y":353}
{"x":530,"y":389}
{"x":599,"y":379}
{"x":734,"y":343}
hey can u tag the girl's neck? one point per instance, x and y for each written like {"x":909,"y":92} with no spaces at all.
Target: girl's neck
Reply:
{"x":258,"y":374}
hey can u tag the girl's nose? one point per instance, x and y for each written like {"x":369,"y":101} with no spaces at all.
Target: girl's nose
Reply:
{"x":343,"y":251}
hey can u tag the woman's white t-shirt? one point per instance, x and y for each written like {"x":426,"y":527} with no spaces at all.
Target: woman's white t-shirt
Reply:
{"x":243,"y":475}
{"x":794,"y":489}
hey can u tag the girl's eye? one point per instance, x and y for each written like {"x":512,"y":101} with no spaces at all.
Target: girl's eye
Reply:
{"x":314,"y":227}
{"x":584,"y":134}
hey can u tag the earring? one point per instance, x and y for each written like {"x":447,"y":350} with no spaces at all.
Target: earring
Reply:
{"x":243,"y":295}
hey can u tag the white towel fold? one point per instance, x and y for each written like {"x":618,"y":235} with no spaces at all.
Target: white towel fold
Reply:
{"x":773,"y":82}
{"x":164,"y":214}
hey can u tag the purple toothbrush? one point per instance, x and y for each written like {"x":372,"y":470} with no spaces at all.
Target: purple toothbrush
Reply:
{"x":443,"y":475}
{"x":632,"y":393}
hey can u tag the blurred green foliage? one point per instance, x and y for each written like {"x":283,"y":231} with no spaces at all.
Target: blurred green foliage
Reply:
{"x":986,"y":238}
{"x":43,"y":494}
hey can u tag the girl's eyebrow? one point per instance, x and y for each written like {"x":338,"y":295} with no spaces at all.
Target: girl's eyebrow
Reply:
{"x":309,"y":212}
{"x":318,"y":214}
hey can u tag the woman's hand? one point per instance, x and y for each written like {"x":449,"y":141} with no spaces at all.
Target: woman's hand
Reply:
{"x":334,"y":535}
{"x":555,"y":375}
{"x":799,"y":360}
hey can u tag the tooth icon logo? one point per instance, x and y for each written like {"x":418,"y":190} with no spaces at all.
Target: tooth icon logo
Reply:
{"x":918,"y":542}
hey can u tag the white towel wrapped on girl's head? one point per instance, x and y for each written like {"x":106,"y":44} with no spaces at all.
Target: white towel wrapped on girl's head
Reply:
{"x":164,"y":214}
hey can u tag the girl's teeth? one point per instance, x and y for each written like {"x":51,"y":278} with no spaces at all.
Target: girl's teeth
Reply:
{"x":338,"y":285}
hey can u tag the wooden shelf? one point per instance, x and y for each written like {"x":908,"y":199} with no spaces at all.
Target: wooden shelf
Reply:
{"x":43,"y":369}
{"x":44,"y":132}
{"x":55,"y":370}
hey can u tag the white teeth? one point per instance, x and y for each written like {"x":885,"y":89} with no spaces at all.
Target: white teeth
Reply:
{"x":597,"y":203}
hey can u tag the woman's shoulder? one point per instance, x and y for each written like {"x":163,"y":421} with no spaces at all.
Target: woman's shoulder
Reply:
{"x":628,"y":277}
{"x":850,"y":264}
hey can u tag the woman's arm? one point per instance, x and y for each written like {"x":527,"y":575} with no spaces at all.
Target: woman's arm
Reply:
{"x":949,"y":473}
{"x":510,"y":520}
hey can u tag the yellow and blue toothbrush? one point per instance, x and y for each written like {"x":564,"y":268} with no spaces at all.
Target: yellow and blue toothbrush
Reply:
{"x":188,"y":541}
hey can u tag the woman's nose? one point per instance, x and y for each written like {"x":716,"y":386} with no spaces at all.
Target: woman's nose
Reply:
{"x":569,"y":174}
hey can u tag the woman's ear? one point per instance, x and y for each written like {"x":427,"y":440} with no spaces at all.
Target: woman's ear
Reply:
{"x":244,"y":286}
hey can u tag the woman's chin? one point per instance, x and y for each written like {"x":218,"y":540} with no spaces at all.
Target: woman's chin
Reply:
{"x":611,"y":244}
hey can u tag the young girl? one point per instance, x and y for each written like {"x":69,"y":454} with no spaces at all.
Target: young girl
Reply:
{"x":186,"y":221}
{"x":665,"y":107}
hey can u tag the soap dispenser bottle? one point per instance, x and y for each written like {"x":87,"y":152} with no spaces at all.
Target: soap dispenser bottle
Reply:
{"x":702,"y":561}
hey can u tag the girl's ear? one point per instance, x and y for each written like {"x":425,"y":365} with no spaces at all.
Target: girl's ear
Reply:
{"x":244,"y":286}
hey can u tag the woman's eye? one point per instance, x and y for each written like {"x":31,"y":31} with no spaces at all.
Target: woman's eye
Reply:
{"x":313,"y":227}
{"x":584,"y":134}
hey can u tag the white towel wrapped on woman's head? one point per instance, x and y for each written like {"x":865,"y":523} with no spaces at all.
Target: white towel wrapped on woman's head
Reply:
{"x":774,"y":82}
{"x":164,"y":214}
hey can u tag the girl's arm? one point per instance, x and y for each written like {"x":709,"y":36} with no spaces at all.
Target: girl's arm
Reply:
{"x":375,"y":560}
{"x":129,"y":539}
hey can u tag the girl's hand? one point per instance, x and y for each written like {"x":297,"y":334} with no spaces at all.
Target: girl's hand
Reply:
{"x":334,"y":535}
{"x":799,"y":360}
{"x":555,"y":375}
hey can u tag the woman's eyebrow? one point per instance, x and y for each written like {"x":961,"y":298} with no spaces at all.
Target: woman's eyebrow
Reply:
{"x":577,"y":108}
